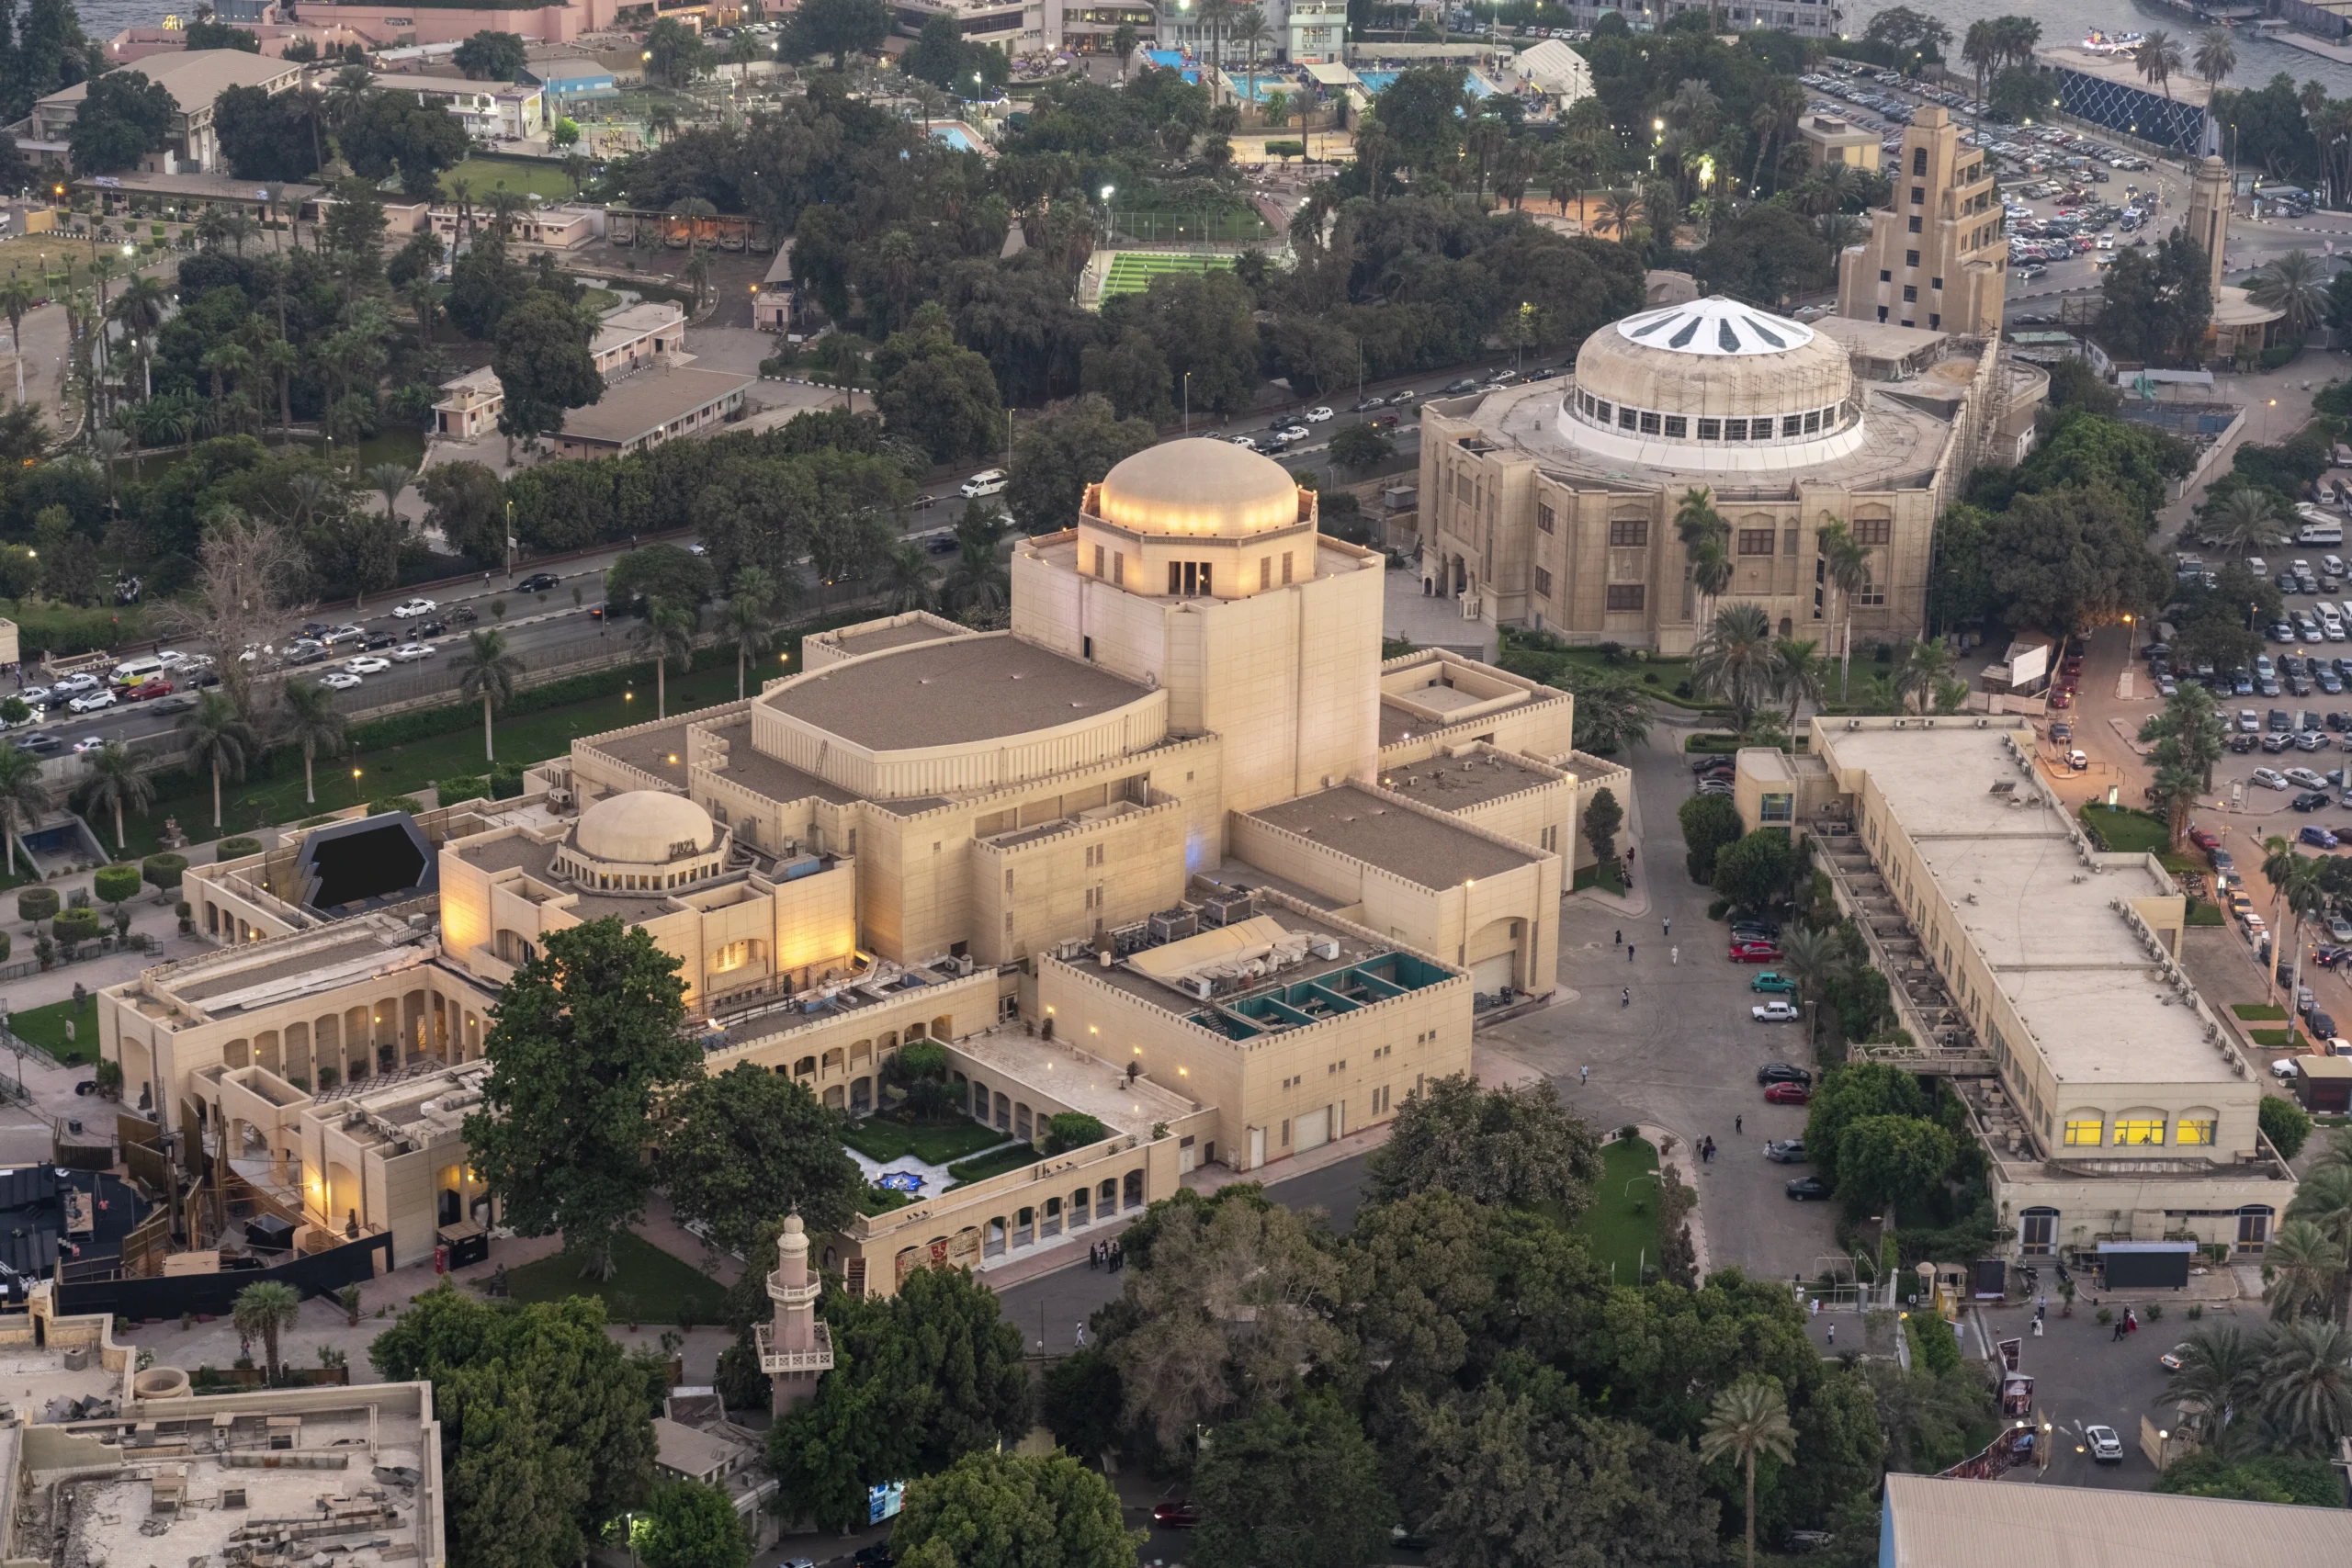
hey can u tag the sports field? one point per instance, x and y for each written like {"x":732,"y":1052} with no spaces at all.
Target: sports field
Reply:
{"x":1132,"y":271}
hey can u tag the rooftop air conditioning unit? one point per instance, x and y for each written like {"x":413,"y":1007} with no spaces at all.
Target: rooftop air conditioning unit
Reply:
{"x":1173,"y":925}
{"x":1983,"y":722}
{"x":1927,"y":724}
{"x":1902,"y":723}
{"x":1853,"y":724}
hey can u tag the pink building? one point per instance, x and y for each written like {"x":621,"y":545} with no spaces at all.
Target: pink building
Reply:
{"x":385,"y":25}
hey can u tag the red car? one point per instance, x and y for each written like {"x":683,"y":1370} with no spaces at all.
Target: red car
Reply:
{"x":1787,"y":1094}
{"x":1754,"y":953}
{"x":1176,"y":1516}
{"x":146,"y":690}
{"x":2203,"y":838}
{"x":2062,"y":698}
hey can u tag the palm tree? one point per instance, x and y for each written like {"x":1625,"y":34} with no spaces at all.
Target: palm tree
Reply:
{"x":1250,"y":31}
{"x":2246,"y":519}
{"x":2187,"y":732}
{"x":1213,"y":15}
{"x":978,"y":584}
{"x":17,"y":296}
{"x":1734,"y":661}
{"x":2216,"y":57}
{"x":24,"y":797}
{"x":113,"y":783}
{"x":2174,"y":791}
{"x":2159,"y":58}
{"x":1621,"y":214}
{"x":1927,"y":664}
{"x":2221,"y":1368}
{"x":281,"y":359}
{"x":1704,"y":536}
{"x":2307,"y":1383}
{"x":2296,"y":890}
{"x":905,"y":578}
{"x":1981,"y":50}
{"x":2325,"y":1201}
{"x":2303,"y":1267}
{"x":267,"y":1307}
{"x":667,"y":633}
{"x":315,"y":723}
{"x":2296,"y":284}
{"x":219,"y":740}
{"x":486,"y":673}
{"x":388,"y":480}
{"x":1775,"y":116}
{"x":749,"y":617}
{"x":1811,"y":958}
{"x":928,"y":99}
{"x":1750,"y":1418}
{"x":108,"y":446}
{"x":1847,"y":563}
{"x":1798,"y":673}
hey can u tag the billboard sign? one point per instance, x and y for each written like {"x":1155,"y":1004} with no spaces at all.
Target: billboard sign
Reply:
{"x":884,"y":1501}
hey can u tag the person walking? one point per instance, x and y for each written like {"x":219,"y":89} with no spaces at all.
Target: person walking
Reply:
{"x":1618,"y":939}
{"x":1629,"y":952}
{"x":1625,"y":998}
{"x":1666,"y":926}
{"x":1674,"y":956}
{"x":2037,"y":1325}
{"x":1584,"y":1075}
{"x":1833,"y":1332}
{"x":1082,"y":1337}
{"x":1738,"y":1121}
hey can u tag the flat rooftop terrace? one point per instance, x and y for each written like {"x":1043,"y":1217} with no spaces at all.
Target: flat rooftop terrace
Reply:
{"x":1076,"y":1079}
{"x":2079,"y":977}
{"x":952,"y":692}
{"x":1456,"y":784}
{"x":1350,"y":952}
{"x":36,"y":1381}
{"x":1424,"y":849}
{"x":856,"y":643}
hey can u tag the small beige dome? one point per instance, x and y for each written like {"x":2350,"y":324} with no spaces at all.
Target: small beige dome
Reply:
{"x":1199,"y":487}
{"x":647,"y":826}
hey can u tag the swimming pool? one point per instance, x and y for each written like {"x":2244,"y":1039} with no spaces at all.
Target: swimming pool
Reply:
{"x":956,"y":136}
{"x":1376,"y":82}
{"x":1266,"y":87}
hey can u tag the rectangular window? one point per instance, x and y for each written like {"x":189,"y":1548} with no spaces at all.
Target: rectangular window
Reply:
{"x":1884,"y":276}
{"x":1935,"y":283}
{"x":2196,"y":1133}
{"x":1677,"y":425}
{"x":1918,"y":161}
{"x":1918,"y":195}
{"x":2139,"y":1129}
{"x":1910,"y":258}
{"x":1935,"y":318}
{"x":1544,"y":518}
{"x":1777,"y":808}
{"x":1711,"y":430}
{"x":1813,"y":422}
{"x":1265,"y":571}
{"x":1119,"y":567}
{"x":2085,"y":1134}
{"x":1882,"y":312}
{"x":1601,"y":410}
{"x":1206,"y":568}
{"x":1910,"y":293}
{"x":1286,"y":556}
{"x":1631,"y":531}
{"x":1792,"y":424}
{"x":1175,"y":578}
{"x":1789,"y":543}
{"x":1735,"y":429}
{"x":1624,"y":595}
{"x":1755,"y":541}
{"x":1649,"y":422}
{"x":1102,"y":558}
{"x":1915,"y":225}
{"x":1626,"y":418}
{"x":1543,"y":582}
{"x":1874,"y":530}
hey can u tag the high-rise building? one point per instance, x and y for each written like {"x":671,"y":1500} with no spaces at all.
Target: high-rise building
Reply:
{"x":1937,"y":257}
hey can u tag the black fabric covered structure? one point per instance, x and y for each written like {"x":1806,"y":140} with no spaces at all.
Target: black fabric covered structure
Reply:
{"x":36,"y":1222}
{"x":348,"y":868}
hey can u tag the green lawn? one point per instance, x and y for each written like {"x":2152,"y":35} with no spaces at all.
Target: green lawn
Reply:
{"x":1602,"y":874}
{"x":1658,"y":677}
{"x":1013,"y":1156}
{"x":2280,"y":1038}
{"x":885,"y":1141}
{"x":1229,"y":219}
{"x":1621,"y":1228}
{"x":2259,"y":1012}
{"x":2200,"y":913}
{"x":45,"y":1027}
{"x":648,"y":1285}
{"x":262,"y":801}
{"x":2132,"y":832}
{"x":483,"y":175}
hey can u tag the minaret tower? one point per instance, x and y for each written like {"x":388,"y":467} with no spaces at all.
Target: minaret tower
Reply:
{"x":794,"y":1349}
{"x":2209,"y":204}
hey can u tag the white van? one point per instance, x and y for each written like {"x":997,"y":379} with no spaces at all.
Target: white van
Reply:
{"x":2331,"y":621}
{"x":137,"y":672}
{"x":988,"y":481}
{"x":2316,"y":533}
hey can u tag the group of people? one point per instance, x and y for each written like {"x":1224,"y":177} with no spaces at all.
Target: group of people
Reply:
{"x":1106,"y":1253}
{"x":2128,"y":1324}
{"x":1707,"y":1149}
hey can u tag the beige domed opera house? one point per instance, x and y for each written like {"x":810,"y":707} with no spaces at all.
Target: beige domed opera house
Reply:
{"x":1552,"y":506}
{"x":1177,"y":850}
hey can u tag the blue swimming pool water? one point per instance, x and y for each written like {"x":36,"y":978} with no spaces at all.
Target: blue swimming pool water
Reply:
{"x":1480,"y":86}
{"x":1376,"y":82}
{"x":1266,"y":87}
{"x":956,"y":136}
{"x":1166,"y":59}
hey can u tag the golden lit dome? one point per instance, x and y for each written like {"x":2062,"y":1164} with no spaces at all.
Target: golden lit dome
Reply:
{"x":646,"y":826}
{"x":1199,"y":487}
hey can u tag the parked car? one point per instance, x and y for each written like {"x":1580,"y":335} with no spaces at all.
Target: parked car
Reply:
{"x":1785,"y":1151}
{"x":1776,"y":1013}
{"x":2267,"y":779}
{"x":414,"y":608}
{"x":2310,"y":800}
{"x":1754,"y":952}
{"x":1806,"y":1189}
{"x":2315,"y":835}
{"x":1316,"y":415}
{"x":1782,"y":1072}
{"x":1787,"y":1094}
{"x":1176,"y":1516}
{"x":1771,"y":980}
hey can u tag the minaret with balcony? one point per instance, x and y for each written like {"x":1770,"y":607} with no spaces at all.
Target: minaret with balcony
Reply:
{"x":794,"y":1349}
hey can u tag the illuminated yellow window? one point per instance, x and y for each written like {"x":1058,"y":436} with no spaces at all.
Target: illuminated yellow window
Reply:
{"x":2139,"y":1129}
{"x":2088,"y":1131}
{"x":734,"y":955}
{"x":2193,"y":1131}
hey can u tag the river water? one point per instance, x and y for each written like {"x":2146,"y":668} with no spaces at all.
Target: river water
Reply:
{"x":2062,"y":21}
